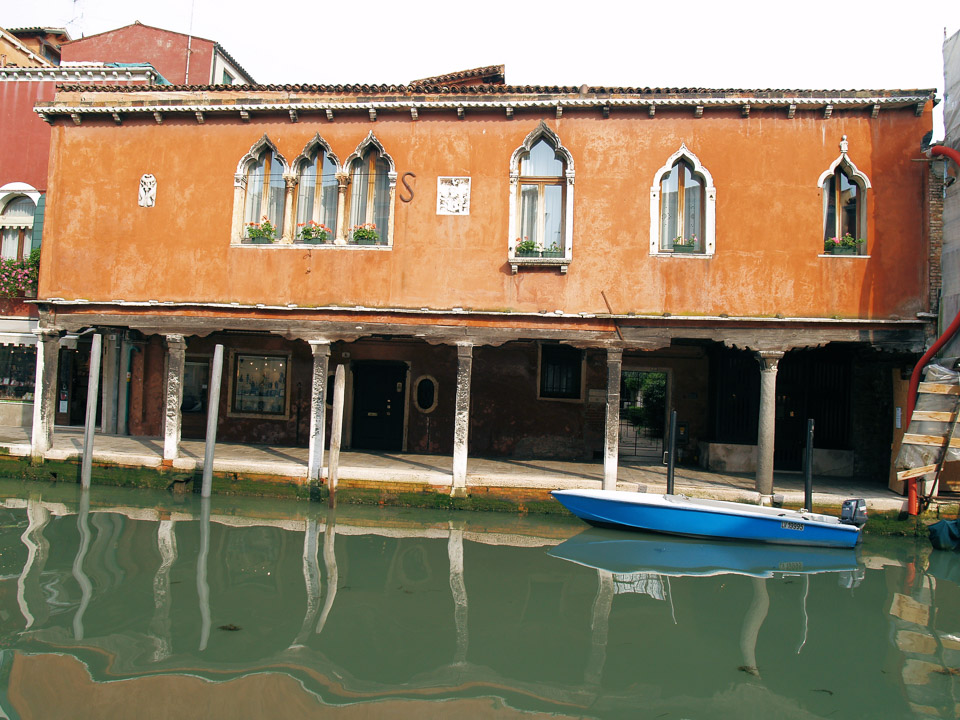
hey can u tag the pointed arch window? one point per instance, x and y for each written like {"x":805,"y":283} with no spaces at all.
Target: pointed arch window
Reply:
{"x":844,"y":191}
{"x":372,"y":181}
{"x":260,"y":194}
{"x":541,"y":197}
{"x":683,"y":207}
{"x":541,"y":201}
{"x":265,"y":189}
{"x":317,"y":190}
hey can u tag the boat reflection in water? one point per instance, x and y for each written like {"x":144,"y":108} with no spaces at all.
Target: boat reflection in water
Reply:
{"x":619,"y":551}
{"x":631,"y":562}
{"x":122,"y":604}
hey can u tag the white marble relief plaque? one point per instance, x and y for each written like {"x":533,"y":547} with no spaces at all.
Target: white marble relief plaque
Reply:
{"x":147,"y":197}
{"x":453,"y":196}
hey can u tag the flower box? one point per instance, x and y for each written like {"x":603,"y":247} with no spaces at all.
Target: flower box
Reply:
{"x":540,"y":253}
{"x":685,"y":249}
{"x":312,"y":241}
{"x":367,"y":241}
{"x":845,"y":251}
{"x":261,"y":240}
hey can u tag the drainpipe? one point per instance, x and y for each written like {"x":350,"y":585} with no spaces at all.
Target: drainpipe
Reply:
{"x":934,"y":349}
{"x":186,"y":77}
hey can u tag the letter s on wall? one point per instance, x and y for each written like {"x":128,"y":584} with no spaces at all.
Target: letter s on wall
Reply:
{"x":403,"y":179}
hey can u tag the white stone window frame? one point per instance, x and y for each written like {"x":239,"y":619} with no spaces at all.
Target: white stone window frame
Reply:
{"x":436,"y":393}
{"x":710,"y":203}
{"x":343,"y":218}
{"x":541,"y":131}
{"x":863,"y":182}
{"x":238,"y":226}
{"x":315,"y":143}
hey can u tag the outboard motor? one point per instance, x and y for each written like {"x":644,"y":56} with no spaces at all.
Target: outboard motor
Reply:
{"x":854,"y":512}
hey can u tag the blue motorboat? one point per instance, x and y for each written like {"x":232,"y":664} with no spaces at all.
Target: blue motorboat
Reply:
{"x":628,"y":552}
{"x":696,"y":517}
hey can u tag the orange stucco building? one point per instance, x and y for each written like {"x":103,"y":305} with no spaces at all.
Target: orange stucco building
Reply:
{"x":552,"y":269}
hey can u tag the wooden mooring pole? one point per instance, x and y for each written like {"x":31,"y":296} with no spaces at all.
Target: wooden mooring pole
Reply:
{"x":336,"y":432}
{"x":808,"y":469}
{"x":672,"y":451}
{"x":213,"y":410}
{"x":93,"y":387}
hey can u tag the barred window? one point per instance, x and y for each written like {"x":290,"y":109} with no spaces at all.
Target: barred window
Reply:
{"x":561,"y":370}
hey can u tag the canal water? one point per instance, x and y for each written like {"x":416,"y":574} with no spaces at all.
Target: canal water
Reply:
{"x":122,"y":604}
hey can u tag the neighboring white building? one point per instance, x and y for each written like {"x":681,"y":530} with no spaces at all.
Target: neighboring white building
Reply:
{"x":950,"y":302}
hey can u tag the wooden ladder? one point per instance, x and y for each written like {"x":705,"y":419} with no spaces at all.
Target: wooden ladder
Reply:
{"x":940,"y":441}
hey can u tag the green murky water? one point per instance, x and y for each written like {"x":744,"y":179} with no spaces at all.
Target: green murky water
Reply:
{"x":133,"y":604}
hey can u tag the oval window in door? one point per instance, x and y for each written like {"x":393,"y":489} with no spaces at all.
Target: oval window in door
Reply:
{"x":425,"y":393}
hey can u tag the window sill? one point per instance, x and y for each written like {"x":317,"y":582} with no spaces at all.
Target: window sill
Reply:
{"x":691,"y":255}
{"x":518,"y":262}
{"x":310,"y":246}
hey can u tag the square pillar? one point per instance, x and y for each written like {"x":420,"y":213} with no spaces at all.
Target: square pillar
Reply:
{"x":108,"y":386}
{"x":461,"y":419}
{"x":318,"y":407}
{"x":44,"y":393}
{"x":611,"y":433}
{"x":766,"y":427}
{"x":123,"y":388}
{"x":173,"y":396}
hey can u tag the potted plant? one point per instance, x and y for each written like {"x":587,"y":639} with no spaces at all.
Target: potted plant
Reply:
{"x":262,"y":232}
{"x":531,"y":248}
{"x":846,"y":245}
{"x":313,"y":233}
{"x":685,"y":245}
{"x":365,"y":234}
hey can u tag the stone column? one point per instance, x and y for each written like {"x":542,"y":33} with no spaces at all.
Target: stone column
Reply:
{"x":176,"y":357}
{"x":342,"y":219}
{"x":461,"y":420}
{"x":611,"y":434}
{"x":289,"y":228}
{"x":237,"y":227}
{"x":44,"y":393}
{"x":123,"y":388}
{"x":318,"y":408}
{"x":766,"y":426}
{"x":392,"y":194}
{"x":108,"y":385}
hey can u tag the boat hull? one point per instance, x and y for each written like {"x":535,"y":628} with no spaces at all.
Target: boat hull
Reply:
{"x":679,"y":515}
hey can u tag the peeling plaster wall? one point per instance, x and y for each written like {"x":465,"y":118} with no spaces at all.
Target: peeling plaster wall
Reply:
{"x":765,"y":168}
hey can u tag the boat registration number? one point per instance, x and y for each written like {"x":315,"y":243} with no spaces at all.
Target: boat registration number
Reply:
{"x":791,"y":525}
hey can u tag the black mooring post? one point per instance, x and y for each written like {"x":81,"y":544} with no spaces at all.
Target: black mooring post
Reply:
{"x":672,"y":451}
{"x":808,"y":469}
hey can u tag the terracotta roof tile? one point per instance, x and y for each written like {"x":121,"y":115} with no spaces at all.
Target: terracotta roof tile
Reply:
{"x":489,"y":75}
{"x":731,"y":94}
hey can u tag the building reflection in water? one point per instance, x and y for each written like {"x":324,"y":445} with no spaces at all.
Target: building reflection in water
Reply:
{"x":410,"y":608}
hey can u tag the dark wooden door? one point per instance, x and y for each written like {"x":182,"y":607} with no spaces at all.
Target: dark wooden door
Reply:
{"x":378,"y":404}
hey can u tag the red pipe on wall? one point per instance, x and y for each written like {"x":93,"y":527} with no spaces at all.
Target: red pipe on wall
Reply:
{"x":934,"y":349}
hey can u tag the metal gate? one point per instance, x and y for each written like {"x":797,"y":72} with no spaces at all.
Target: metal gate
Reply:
{"x":643,"y":408}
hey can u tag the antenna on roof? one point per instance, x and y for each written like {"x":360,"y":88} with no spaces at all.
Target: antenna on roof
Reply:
{"x":186,"y":74}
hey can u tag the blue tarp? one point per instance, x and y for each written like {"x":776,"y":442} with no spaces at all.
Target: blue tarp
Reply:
{"x":945,"y":534}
